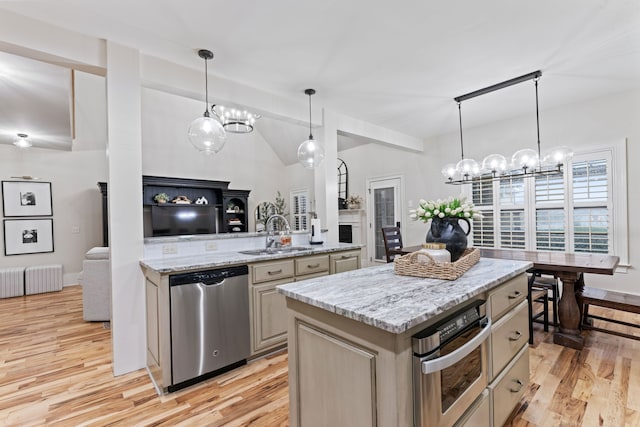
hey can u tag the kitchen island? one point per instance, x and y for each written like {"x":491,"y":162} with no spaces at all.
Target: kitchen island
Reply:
{"x":349,"y":338}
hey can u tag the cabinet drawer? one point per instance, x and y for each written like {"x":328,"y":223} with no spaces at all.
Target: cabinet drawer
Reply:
{"x":312,"y":264}
{"x":478,"y":414}
{"x":507,"y":391}
{"x":508,"y":296}
{"x":272,"y":271}
{"x":508,"y":335}
{"x":311,"y":276}
{"x":345,"y":261}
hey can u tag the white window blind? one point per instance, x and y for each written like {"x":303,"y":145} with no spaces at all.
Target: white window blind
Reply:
{"x":591,"y":195}
{"x":550,"y":213}
{"x":299,"y":209}
{"x":512,"y":228}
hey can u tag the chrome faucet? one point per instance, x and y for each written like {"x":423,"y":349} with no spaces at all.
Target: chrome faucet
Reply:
{"x":270,"y":236}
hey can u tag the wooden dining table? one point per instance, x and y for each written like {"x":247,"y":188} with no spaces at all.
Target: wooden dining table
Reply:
{"x":570,"y":269}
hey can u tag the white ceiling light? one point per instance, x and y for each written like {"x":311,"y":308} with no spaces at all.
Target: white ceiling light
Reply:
{"x":21,"y":141}
{"x":235,"y":120}
{"x":524,"y":163}
{"x":206,"y":133}
{"x":310,"y":152}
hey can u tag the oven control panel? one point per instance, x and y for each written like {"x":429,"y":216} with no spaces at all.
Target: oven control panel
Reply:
{"x":430,"y":339}
{"x":451,"y":328}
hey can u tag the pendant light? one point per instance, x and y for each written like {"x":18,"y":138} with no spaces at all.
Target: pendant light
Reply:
{"x":310,"y":152}
{"x":206,"y":133}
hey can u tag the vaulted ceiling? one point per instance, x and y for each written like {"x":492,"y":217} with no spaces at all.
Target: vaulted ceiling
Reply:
{"x":397,"y":65}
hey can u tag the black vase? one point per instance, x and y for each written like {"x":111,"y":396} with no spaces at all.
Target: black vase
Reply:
{"x":447,"y":230}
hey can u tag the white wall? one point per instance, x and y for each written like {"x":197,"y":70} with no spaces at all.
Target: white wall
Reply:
{"x":593,"y":123}
{"x":74,"y":176}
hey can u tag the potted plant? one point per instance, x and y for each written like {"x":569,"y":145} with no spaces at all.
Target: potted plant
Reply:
{"x":161,"y":198}
{"x":354,"y":201}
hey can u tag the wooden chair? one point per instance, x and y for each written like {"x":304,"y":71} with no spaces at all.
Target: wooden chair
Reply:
{"x":538,"y":296}
{"x":538,"y":292}
{"x":539,"y":280}
{"x":392,"y":241}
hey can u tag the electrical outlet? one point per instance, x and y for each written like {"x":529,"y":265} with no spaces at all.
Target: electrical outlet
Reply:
{"x":75,"y":229}
{"x":210,"y":246}
{"x":169,"y":249}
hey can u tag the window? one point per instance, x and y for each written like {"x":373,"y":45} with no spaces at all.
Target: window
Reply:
{"x":299,"y":209}
{"x":572,"y":212}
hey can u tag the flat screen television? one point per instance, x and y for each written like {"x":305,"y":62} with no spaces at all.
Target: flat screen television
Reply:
{"x":177,"y":220}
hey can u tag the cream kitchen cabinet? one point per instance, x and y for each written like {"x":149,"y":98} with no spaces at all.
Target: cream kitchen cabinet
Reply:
{"x":268,"y":316}
{"x":345,"y":261}
{"x":509,"y":358}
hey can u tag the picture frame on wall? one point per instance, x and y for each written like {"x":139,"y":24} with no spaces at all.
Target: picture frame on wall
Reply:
{"x":28,"y":236}
{"x":26,"y":198}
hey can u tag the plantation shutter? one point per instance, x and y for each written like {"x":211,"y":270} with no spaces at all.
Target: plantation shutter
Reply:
{"x":550,"y":212}
{"x":512,"y":213}
{"x":483,"y":229}
{"x":591,"y":213}
{"x":299,"y":206}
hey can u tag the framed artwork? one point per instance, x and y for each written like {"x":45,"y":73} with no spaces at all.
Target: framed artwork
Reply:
{"x":28,"y":236}
{"x":26,"y":198}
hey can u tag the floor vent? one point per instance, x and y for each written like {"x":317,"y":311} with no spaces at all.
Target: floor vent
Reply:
{"x":43,"y":278}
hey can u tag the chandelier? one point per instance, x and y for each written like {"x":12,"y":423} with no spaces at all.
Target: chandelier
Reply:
{"x":524,"y":163}
{"x":235,"y":120}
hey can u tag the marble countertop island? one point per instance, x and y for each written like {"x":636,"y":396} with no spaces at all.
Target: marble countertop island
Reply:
{"x":378,"y":297}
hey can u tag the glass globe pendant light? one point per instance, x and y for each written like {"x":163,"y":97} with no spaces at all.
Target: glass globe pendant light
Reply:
{"x":206,"y":133}
{"x":310,"y":152}
{"x":466,"y":168}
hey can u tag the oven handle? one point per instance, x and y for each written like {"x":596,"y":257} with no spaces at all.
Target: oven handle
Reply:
{"x":435,"y":365}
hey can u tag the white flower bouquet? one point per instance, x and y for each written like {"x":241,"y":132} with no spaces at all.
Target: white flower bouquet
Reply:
{"x":451,"y":207}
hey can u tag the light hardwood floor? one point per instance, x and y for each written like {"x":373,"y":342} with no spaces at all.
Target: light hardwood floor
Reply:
{"x":55,"y":369}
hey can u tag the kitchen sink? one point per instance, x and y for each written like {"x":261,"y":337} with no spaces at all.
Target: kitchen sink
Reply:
{"x":272,"y":251}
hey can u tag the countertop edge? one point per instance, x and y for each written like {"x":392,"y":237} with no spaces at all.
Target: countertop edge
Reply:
{"x":222,"y":259}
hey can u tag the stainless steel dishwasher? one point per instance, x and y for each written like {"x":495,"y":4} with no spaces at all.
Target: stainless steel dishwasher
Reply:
{"x":209,"y":323}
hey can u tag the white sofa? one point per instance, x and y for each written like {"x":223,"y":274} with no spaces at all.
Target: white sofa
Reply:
{"x":96,"y":285}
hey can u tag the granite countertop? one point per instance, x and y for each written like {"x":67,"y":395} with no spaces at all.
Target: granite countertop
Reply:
{"x":378,"y":297}
{"x":220,"y":259}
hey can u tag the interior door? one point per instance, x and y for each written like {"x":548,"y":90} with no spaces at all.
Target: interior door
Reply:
{"x":384,"y":210}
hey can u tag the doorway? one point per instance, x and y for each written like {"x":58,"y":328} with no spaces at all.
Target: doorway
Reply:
{"x":384,"y":209}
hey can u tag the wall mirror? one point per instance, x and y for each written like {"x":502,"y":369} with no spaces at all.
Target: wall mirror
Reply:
{"x":262,"y":212}
{"x":343,"y":184}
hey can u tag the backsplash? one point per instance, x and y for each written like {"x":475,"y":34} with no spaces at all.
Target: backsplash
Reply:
{"x":170,"y":247}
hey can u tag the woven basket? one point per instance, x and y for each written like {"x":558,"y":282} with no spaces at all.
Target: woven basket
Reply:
{"x":407,"y":265}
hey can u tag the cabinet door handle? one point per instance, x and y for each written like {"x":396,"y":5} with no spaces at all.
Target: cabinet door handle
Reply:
{"x":515,"y":295}
{"x":271,"y":273}
{"x":516,"y":336}
{"x":346,"y":257}
{"x":313,"y":266}
{"x":516,"y":390}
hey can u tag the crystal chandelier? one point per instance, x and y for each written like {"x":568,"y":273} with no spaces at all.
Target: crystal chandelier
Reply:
{"x":206,"y":133}
{"x":235,"y":120}
{"x":524,"y":163}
